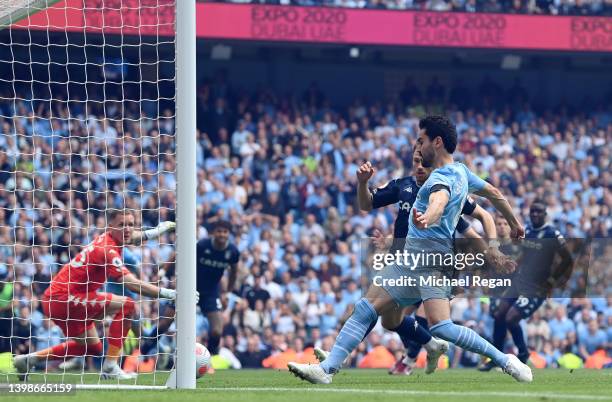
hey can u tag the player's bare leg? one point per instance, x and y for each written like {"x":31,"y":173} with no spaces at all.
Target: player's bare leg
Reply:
{"x":215,"y":330}
{"x":438,"y":314}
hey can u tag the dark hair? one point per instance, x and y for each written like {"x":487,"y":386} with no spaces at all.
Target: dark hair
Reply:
{"x":539,"y":202}
{"x":222,"y":224}
{"x":440,"y":126}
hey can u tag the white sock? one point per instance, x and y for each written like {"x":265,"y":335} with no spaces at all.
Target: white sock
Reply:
{"x":33,"y":359}
{"x":108,"y":364}
{"x":408,"y":361}
{"x":432,"y":345}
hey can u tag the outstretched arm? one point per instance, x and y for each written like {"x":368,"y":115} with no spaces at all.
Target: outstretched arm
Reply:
{"x":437,"y":202}
{"x":147,"y":289}
{"x":488,"y":224}
{"x":500,"y":203}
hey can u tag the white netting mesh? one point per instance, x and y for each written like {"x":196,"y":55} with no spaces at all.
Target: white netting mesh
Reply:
{"x":86,"y":124}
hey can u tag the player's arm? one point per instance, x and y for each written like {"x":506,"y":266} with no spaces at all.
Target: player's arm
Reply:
{"x":233,"y":270}
{"x":500,"y":203}
{"x":563,"y":270}
{"x":168,"y":268}
{"x":138,"y":236}
{"x":364,"y":195}
{"x":438,"y":199}
{"x":233,"y":274}
{"x":488,"y":223}
{"x":146,"y":289}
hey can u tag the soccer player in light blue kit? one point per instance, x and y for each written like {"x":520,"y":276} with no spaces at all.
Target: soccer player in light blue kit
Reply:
{"x":433,"y":220}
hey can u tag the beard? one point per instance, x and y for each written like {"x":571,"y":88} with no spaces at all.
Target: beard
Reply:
{"x":427,"y":160}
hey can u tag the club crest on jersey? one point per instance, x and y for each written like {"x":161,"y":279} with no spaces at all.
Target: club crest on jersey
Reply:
{"x":228,"y":254}
{"x":457,"y":187}
{"x":408,"y":190}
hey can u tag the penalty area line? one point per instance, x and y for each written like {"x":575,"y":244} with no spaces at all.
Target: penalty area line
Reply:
{"x":494,"y":394}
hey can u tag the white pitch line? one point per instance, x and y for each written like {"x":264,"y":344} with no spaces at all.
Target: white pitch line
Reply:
{"x":417,"y":392}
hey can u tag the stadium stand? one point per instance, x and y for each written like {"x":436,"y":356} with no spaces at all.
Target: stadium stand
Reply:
{"x":281,"y":169}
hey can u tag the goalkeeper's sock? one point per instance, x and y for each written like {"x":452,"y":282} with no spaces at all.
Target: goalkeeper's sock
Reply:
{"x":499,"y":333}
{"x":213,"y":344}
{"x":468,"y":340}
{"x":350,"y":335}
{"x":67,"y":350}
{"x":120,"y":327}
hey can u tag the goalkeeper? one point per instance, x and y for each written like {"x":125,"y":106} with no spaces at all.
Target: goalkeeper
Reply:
{"x":74,"y":304}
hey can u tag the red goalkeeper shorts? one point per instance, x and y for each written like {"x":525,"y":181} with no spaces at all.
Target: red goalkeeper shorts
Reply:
{"x":75,"y":314}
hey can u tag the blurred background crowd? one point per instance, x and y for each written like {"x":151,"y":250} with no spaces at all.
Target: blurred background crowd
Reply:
{"x":552,"y":7}
{"x":281,"y":168}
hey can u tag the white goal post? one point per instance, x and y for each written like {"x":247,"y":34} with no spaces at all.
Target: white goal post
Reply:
{"x":186,"y":191}
{"x":97,"y":109}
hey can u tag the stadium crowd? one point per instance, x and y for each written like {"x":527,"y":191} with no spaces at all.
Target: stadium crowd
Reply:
{"x":550,"y":7}
{"x":281,"y":169}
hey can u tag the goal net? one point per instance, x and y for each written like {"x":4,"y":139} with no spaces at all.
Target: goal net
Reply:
{"x":87,"y":119}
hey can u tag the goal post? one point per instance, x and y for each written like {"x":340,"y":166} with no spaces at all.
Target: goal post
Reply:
{"x":186,"y":191}
{"x":97,"y":111}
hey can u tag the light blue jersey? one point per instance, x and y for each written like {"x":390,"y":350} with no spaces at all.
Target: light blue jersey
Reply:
{"x":460,"y":181}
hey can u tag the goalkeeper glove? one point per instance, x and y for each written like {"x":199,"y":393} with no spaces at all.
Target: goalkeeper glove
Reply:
{"x":162,"y":228}
{"x":166,"y":293}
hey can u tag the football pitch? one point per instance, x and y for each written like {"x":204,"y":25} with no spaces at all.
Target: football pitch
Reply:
{"x":360,"y":385}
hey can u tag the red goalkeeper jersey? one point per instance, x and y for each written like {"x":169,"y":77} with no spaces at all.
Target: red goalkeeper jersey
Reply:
{"x":97,"y":263}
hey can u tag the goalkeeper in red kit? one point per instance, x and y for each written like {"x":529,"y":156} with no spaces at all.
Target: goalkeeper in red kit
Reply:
{"x":73,"y":303}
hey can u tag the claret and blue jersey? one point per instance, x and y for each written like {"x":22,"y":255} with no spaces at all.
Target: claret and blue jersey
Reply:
{"x":212,"y":263}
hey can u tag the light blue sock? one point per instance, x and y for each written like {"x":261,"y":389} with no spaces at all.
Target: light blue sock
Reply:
{"x":468,"y":340}
{"x":350,"y":335}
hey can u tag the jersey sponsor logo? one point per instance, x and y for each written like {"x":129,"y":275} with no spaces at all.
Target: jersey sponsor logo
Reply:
{"x":532,"y":244}
{"x":404,"y":206}
{"x":214,"y":263}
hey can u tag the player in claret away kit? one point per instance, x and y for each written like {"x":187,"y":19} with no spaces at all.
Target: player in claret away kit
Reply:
{"x":74,"y":304}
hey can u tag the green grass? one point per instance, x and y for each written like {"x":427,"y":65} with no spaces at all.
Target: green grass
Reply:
{"x":358,"y":385}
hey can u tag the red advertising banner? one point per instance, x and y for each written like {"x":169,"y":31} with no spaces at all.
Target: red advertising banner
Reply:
{"x":333,"y":25}
{"x":404,"y":28}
